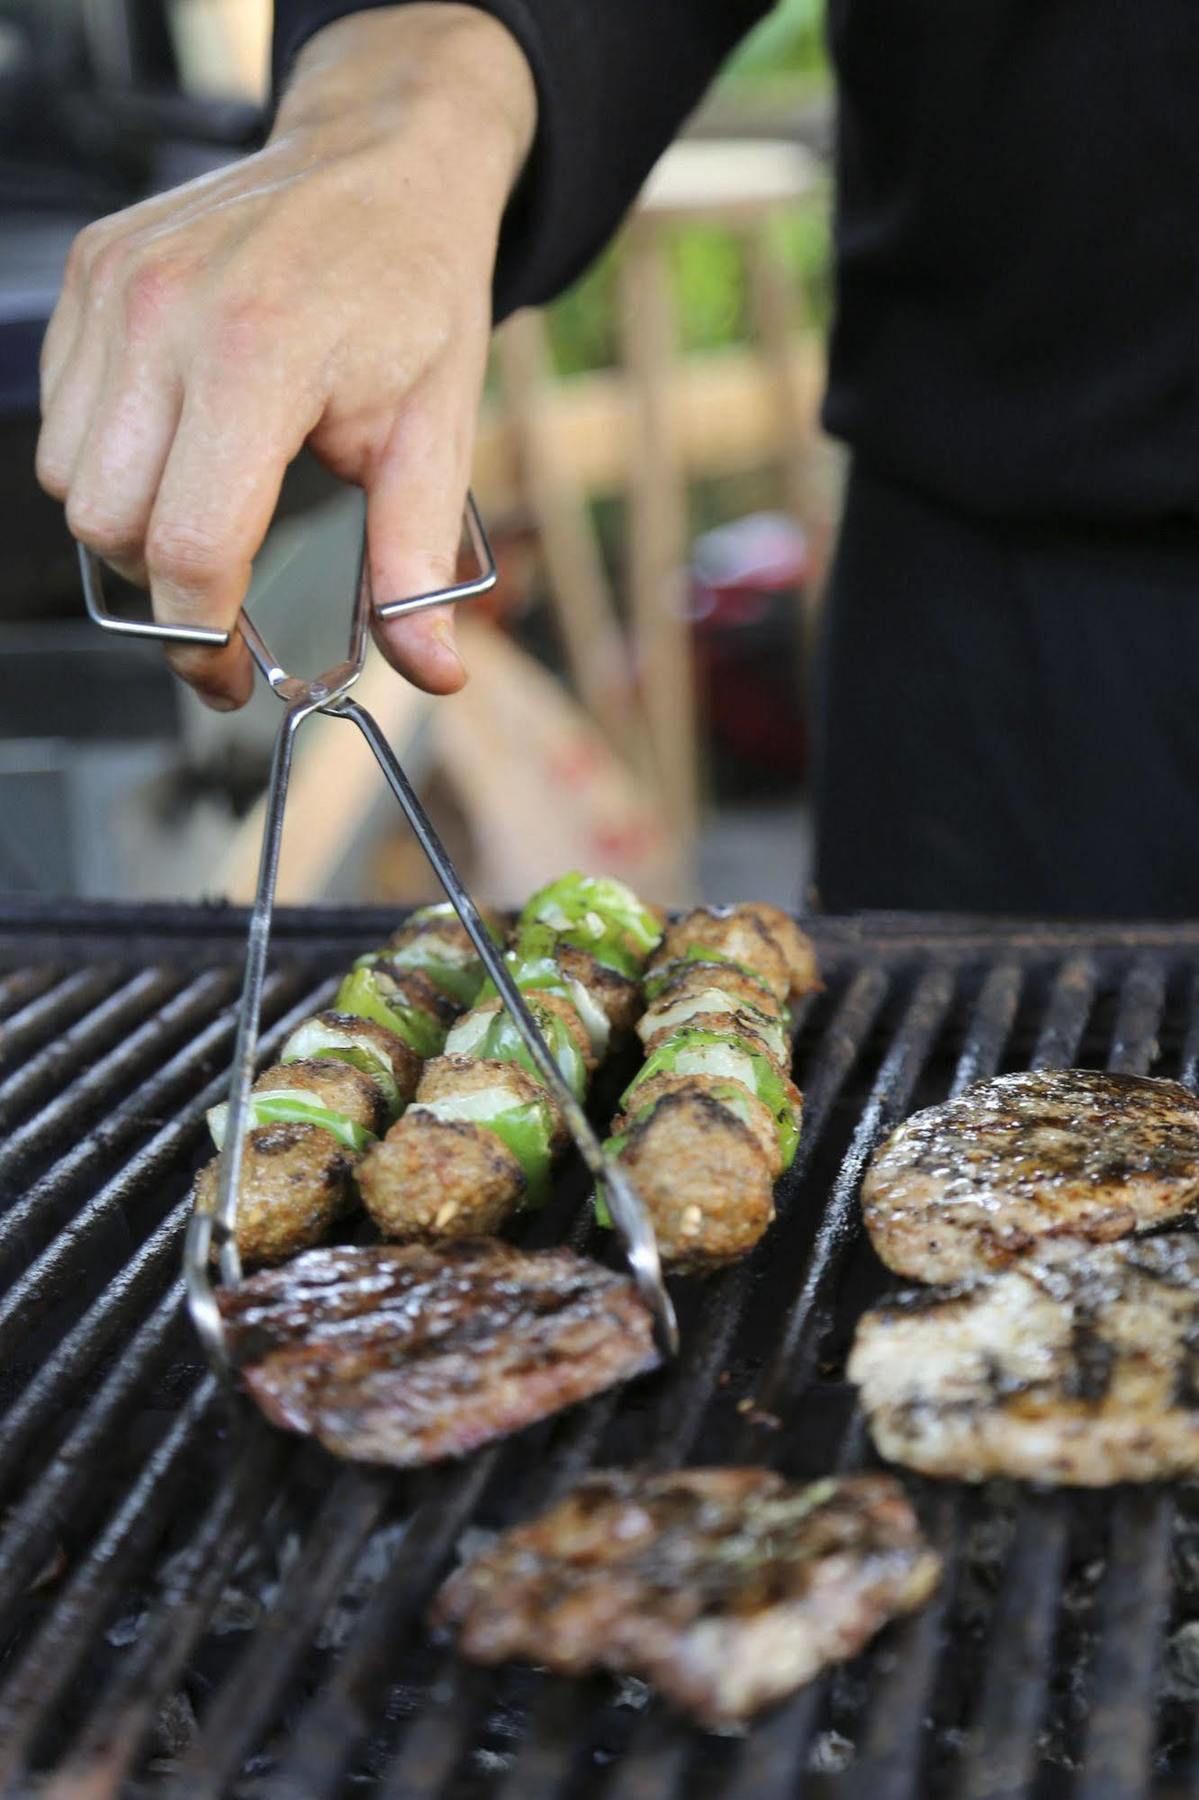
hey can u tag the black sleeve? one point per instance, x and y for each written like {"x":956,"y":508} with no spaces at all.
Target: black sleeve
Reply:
{"x":615,"y":79}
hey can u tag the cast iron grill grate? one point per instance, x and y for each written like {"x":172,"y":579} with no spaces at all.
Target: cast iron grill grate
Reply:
{"x":191,"y":1604}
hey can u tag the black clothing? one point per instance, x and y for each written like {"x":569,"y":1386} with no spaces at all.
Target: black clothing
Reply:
{"x":615,"y":80}
{"x":1012,"y":660}
{"x":1017,"y":223}
{"x":1010,"y":714}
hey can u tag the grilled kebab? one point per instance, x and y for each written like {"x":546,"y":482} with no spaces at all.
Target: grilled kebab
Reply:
{"x":1077,"y":1365}
{"x":343,"y":1076}
{"x":404,"y":1354}
{"x":992,"y":1175}
{"x":713,"y":1117}
{"x":725,"y":1588}
{"x":478,"y":1141}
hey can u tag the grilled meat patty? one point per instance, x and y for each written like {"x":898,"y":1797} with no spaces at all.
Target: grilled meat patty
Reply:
{"x":404,"y":1063}
{"x":432,"y":1177}
{"x":336,"y":1085}
{"x":296,"y":1182}
{"x":986,"y":1178}
{"x":405,"y":1354}
{"x":1080,"y":1366}
{"x":618,"y":995}
{"x":726,"y":1588}
{"x":440,"y":1178}
{"x":703,"y":1177}
{"x":756,"y":935}
{"x":754,"y":1114}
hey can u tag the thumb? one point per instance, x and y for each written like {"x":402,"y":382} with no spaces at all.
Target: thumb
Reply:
{"x":414,"y":505}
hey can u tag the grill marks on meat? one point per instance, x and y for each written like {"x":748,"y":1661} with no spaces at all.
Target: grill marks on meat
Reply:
{"x":726,"y":1588}
{"x":1078,"y":1366}
{"x":404,"y":1354}
{"x":988,"y":1177}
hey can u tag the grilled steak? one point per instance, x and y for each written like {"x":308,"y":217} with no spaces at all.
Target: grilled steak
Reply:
{"x":726,"y":1588}
{"x":1081,"y":1367}
{"x":972,"y":1185}
{"x":403,"y":1354}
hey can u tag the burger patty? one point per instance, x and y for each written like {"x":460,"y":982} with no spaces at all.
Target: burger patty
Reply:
{"x":1081,"y":1367}
{"x":726,"y":1588}
{"x":988,"y":1177}
{"x":404,"y":1354}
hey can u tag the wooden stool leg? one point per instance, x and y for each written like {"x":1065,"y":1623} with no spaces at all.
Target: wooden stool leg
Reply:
{"x":582,"y":601}
{"x":658,"y":527}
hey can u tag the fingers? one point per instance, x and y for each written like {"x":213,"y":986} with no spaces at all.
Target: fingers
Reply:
{"x":238,"y":430}
{"x":415,"y":497}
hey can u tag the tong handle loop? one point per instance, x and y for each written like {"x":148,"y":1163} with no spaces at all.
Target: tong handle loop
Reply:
{"x":210,"y":637}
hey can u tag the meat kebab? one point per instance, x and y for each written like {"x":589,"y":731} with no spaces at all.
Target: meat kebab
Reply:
{"x":478,"y":1141}
{"x":342,"y":1078}
{"x":713,"y":1117}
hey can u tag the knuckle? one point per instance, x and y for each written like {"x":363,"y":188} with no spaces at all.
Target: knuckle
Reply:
{"x":151,"y":290}
{"x":85,"y":246}
{"x":187,"y":556}
{"x":242,"y":329}
{"x":106,"y":532}
{"x":106,"y":266}
{"x":52,"y":472}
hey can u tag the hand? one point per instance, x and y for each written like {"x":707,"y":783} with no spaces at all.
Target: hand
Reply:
{"x":333,"y":289}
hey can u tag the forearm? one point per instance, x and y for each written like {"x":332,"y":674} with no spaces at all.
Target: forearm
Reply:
{"x":461,"y":70}
{"x":614,"y":81}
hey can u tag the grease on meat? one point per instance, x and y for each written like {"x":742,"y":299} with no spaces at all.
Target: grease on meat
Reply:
{"x":1080,"y":1366}
{"x":404,"y":1354}
{"x":986,"y":1178}
{"x":726,"y":1588}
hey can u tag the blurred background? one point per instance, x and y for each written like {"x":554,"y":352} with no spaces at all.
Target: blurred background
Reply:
{"x":650,"y":466}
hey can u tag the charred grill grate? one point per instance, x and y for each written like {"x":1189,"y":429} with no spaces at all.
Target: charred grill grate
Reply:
{"x":192,"y":1604}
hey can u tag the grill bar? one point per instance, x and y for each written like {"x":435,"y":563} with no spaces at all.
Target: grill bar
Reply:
{"x":37,"y":1684}
{"x":54,"y":1009}
{"x":124,"y":1713}
{"x":1134,"y":1604}
{"x":116,"y":1454}
{"x":93,"y":1092}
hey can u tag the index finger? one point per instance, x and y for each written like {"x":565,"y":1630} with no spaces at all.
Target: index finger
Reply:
{"x":214,"y":506}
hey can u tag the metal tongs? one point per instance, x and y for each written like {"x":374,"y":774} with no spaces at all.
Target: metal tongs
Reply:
{"x":331,"y":693}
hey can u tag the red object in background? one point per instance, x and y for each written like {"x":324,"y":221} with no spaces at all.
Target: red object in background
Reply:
{"x":747,"y":580}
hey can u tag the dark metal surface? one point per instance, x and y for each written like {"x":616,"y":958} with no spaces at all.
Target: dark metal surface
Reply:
{"x":192,"y":1604}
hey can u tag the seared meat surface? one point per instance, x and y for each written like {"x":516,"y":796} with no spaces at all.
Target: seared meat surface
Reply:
{"x":988,"y":1177}
{"x":726,"y":1588}
{"x":342,"y":1089}
{"x":404,"y":1354}
{"x":1079,"y":1366}
{"x":440,"y":1178}
{"x":296,"y":1182}
{"x":702,"y":1174}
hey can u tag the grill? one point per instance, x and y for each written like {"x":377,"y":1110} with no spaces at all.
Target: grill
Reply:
{"x":192,"y":1604}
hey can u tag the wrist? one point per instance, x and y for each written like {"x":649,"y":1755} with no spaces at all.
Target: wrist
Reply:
{"x":453,"y":67}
